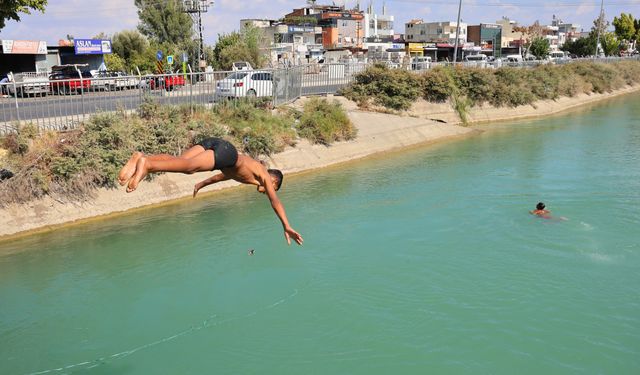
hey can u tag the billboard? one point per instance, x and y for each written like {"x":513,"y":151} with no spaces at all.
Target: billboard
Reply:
{"x":92,"y":46}
{"x":25,"y":47}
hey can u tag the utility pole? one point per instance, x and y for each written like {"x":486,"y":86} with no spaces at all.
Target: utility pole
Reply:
{"x":455,"y":46}
{"x":599,"y":27}
{"x":195,"y":8}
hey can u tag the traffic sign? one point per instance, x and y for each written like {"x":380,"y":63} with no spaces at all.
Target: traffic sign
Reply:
{"x":170,"y":59}
{"x":185,"y":57}
{"x":159,"y":55}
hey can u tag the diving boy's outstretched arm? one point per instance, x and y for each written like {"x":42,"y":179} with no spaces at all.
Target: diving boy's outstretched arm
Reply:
{"x":211,"y":180}
{"x":277,"y":206}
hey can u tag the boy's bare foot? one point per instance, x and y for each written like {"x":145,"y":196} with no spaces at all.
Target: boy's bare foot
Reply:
{"x":141,"y":172}
{"x":129,"y":169}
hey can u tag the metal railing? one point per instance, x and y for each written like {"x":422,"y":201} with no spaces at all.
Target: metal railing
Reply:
{"x":64,"y":104}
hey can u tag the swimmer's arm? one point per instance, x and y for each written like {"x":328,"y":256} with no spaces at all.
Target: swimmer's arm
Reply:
{"x":277,"y":206}
{"x":211,"y":180}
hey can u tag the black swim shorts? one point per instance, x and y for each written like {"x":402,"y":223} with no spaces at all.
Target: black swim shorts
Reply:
{"x":224,"y":152}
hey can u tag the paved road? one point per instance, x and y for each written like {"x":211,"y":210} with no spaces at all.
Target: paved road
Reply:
{"x":62,"y":111}
{"x":92,"y":102}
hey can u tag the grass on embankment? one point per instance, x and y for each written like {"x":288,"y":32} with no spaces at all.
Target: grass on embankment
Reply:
{"x":70,"y":166}
{"x":396,"y":89}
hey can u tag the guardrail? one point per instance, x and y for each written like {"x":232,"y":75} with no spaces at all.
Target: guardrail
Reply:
{"x":64,"y":104}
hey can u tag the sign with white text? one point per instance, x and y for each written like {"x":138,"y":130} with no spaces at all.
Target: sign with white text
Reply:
{"x":24,"y":47}
{"x":92,"y":46}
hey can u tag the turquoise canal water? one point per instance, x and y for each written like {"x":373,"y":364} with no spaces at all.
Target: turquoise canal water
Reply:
{"x":423,"y":261}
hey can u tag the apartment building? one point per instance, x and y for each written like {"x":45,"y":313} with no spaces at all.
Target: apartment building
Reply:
{"x":487,"y":36}
{"x":566,"y":31}
{"x":294,"y":43}
{"x":341,"y":27}
{"x":509,"y":37}
{"x":439,"y":32}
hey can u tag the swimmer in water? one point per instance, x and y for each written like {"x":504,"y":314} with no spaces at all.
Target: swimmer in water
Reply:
{"x":540,"y":211}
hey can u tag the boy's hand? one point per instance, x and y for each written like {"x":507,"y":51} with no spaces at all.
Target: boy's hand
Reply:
{"x":196,"y":188}
{"x":289,"y":233}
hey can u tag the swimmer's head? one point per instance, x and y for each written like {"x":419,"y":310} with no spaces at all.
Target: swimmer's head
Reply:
{"x":276,"y":180}
{"x":276,"y":177}
{"x":540,"y":206}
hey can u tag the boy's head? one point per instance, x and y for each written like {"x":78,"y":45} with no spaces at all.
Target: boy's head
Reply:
{"x":276,"y":177}
{"x":540,"y":206}
{"x":276,"y":180}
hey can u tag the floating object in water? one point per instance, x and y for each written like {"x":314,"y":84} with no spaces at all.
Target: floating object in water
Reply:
{"x":251,"y":251}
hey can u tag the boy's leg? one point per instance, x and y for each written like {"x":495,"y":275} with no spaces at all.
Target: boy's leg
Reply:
{"x":129,"y":168}
{"x":202,"y":162}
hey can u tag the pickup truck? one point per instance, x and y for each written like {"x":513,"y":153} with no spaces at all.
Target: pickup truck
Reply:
{"x":28,"y":84}
{"x":64,"y":79}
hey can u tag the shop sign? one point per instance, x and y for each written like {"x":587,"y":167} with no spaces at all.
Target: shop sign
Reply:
{"x":92,"y":46}
{"x":25,"y":47}
{"x":301,"y":29}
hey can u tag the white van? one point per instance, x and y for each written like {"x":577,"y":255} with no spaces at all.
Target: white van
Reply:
{"x":420,"y":62}
{"x":558,"y":55}
{"x":479,"y":60}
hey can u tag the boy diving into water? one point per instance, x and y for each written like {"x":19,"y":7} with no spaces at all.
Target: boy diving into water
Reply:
{"x":209,"y":155}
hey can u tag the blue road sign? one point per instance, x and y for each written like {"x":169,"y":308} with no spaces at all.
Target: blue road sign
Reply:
{"x":159,"y":55}
{"x":170,"y":59}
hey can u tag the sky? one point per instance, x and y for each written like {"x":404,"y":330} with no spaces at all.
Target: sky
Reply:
{"x":87,"y":18}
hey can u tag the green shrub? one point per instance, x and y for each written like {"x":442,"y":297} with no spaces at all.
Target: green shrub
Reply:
{"x":436,"y":85}
{"x":18,"y":142}
{"x":474,"y":83}
{"x":325,"y":122}
{"x":395,"y":89}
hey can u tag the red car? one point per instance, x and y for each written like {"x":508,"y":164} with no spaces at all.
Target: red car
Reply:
{"x":65,"y":79}
{"x":167,"y":82}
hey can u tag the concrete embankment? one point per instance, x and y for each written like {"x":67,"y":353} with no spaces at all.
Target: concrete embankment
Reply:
{"x":377,"y":132}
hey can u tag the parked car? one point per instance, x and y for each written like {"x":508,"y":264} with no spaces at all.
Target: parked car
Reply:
{"x":169,"y":82}
{"x":124,"y":81}
{"x":102,"y":80}
{"x":558,"y":56}
{"x":241,"y":65}
{"x":513,"y":60}
{"x":479,"y":60}
{"x":28,"y":84}
{"x":64,"y":79}
{"x":247,"y":83}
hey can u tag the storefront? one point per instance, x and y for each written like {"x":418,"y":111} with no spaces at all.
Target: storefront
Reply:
{"x":487,"y":36}
{"x":20,"y":56}
{"x":86,"y":51}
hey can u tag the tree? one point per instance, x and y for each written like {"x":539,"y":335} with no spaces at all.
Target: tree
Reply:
{"x":539,"y":47}
{"x":625,"y":27}
{"x":531,"y":32}
{"x":240,"y":46}
{"x":580,"y":47}
{"x":115,"y":62}
{"x":128,"y":43}
{"x":164,"y":22}
{"x":610,"y":44}
{"x":9,"y":9}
